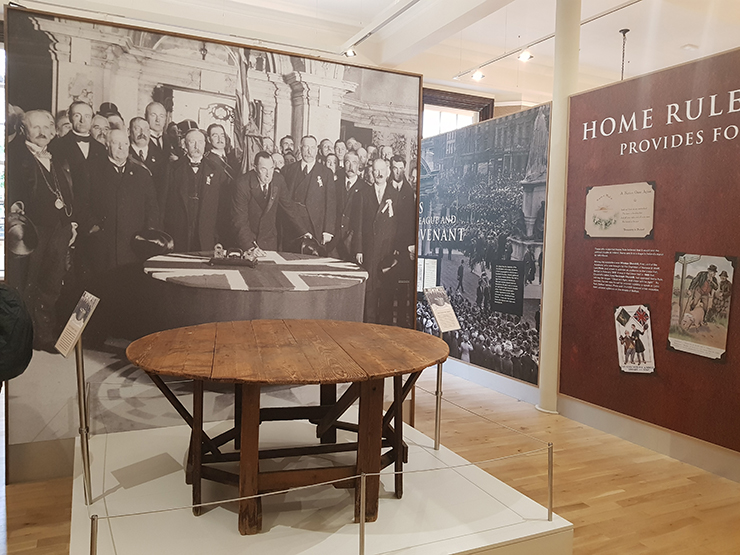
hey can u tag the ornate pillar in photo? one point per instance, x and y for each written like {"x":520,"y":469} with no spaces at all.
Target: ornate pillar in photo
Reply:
{"x":567,"y":43}
{"x":316,"y":98}
{"x":73,"y":58}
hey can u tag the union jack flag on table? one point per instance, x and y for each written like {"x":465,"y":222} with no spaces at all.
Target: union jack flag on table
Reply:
{"x":274,"y":272}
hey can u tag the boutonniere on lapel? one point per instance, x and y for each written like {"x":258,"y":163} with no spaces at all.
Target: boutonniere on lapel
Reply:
{"x":208,"y":178}
{"x":318,"y":180}
{"x":388,"y":207}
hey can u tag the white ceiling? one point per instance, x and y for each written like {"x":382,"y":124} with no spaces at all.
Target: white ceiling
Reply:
{"x":441,"y":38}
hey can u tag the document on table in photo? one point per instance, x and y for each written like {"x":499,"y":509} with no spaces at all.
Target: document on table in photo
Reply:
{"x":634,"y":339}
{"x":442,"y":310}
{"x":620,"y":210}
{"x":76,"y":324}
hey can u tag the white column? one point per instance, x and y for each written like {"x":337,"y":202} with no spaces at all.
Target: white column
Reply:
{"x":567,"y":42}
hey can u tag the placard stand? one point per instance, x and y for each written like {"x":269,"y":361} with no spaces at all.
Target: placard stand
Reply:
{"x":447,"y":321}
{"x":84,"y":420}
{"x":71,"y":338}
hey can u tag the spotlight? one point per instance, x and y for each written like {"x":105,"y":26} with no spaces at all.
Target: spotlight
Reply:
{"x":478,"y":75}
{"x":350,"y":53}
{"x":525,"y":56}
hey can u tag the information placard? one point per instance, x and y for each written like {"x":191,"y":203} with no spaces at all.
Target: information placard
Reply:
{"x":508,"y":287}
{"x":442,"y":309}
{"x":76,"y":324}
{"x":427,"y":274}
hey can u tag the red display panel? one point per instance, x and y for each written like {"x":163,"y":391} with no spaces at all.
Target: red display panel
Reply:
{"x":677,"y":130}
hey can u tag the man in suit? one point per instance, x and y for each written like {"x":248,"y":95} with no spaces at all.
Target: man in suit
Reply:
{"x":312,"y":188}
{"x":82,"y":153}
{"x":349,"y":185}
{"x":156,"y":116}
{"x":405,"y":245}
{"x":405,"y":237}
{"x":99,"y":129}
{"x":378,"y":226}
{"x":258,"y":197}
{"x":124,"y":203}
{"x":144,"y":150}
{"x":197,"y":209}
{"x":217,"y":150}
{"x":40,"y":187}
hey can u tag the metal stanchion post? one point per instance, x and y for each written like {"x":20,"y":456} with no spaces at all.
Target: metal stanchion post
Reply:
{"x":438,"y":412}
{"x":363,"y":493}
{"x":84,"y":422}
{"x":549,"y":481}
{"x":94,"y":535}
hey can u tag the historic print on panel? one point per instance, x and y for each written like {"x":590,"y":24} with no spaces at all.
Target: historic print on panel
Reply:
{"x":624,"y":210}
{"x":634,"y":339}
{"x":482,"y":210}
{"x":135,"y":157}
{"x":700,"y":304}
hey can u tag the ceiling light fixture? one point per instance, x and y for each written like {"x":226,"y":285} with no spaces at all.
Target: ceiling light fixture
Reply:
{"x":548,"y":37}
{"x":624,"y":47}
{"x":690,"y":46}
{"x":525,"y":56}
{"x":478,"y":75}
{"x":350,"y":53}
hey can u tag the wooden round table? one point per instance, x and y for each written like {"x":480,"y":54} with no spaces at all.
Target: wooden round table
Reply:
{"x":292,"y":352}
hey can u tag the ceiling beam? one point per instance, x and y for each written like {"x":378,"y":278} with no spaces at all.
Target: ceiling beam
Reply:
{"x":429,"y":23}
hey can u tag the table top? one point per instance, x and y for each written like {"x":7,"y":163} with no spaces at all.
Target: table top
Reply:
{"x":276,"y":271}
{"x":283,"y":352}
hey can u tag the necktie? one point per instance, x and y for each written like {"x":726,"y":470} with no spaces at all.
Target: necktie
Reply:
{"x":141,"y":155}
{"x":81,"y":139}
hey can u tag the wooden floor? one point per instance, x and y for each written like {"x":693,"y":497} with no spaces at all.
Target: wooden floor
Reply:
{"x":623,"y":499}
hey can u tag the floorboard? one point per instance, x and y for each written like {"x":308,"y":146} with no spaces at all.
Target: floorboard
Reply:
{"x":622,"y":498}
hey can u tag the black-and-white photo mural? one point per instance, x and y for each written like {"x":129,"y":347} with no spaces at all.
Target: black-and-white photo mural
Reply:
{"x":482,"y":215}
{"x":184,"y":181}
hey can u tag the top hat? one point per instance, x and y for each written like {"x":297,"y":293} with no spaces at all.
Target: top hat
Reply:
{"x":186,"y":125}
{"x":712,"y":268}
{"x":723,"y":273}
{"x":151,"y":242}
{"x":20,"y":232}
{"x":108,"y":109}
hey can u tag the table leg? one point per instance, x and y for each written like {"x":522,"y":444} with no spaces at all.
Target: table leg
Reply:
{"x":398,"y":425}
{"x":250,"y":510}
{"x":196,"y":444}
{"x":329,"y":397}
{"x":238,"y":415}
{"x":369,"y":446}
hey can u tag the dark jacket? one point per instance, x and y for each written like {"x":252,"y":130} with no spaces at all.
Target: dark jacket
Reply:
{"x":208,"y":216}
{"x":123,"y":204}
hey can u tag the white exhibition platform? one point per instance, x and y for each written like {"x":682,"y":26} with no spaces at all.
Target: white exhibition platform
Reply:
{"x":444,"y":510}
